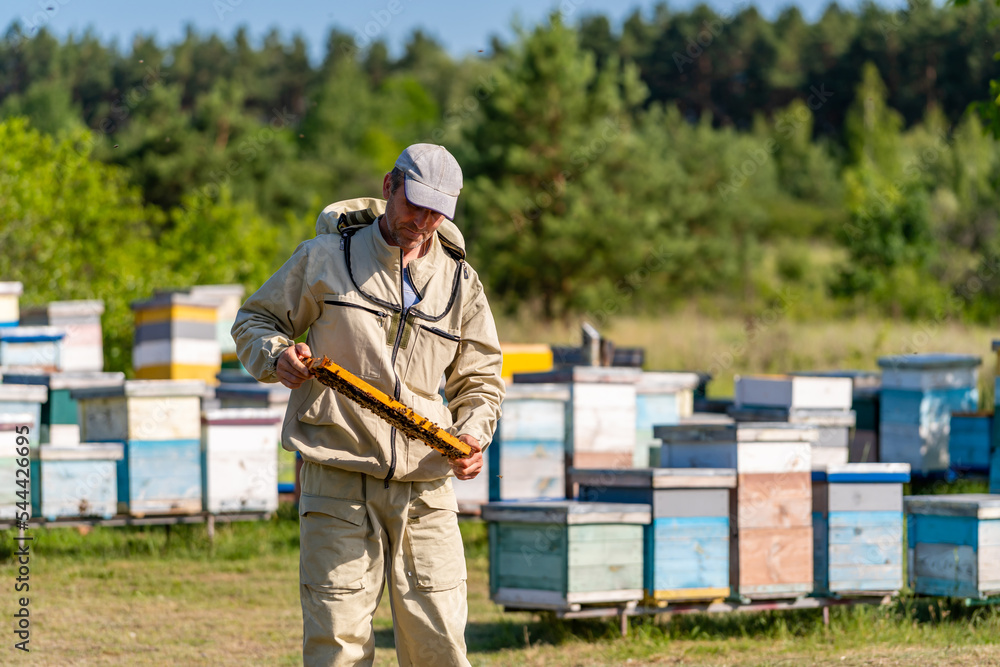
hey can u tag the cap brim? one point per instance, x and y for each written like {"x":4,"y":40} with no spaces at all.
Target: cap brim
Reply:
{"x":425,"y":196}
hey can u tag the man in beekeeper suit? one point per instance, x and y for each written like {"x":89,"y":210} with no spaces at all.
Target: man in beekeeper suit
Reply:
{"x":385,"y":291}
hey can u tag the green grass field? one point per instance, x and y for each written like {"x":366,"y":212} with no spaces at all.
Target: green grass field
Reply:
{"x":136,"y":596}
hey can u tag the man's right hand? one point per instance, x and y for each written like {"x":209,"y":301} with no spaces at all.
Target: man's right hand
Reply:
{"x":290,"y":370}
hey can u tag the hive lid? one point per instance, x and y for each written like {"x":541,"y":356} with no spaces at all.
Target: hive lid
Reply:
{"x":979,"y":505}
{"x":272,"y":390}
{"x":64,"y":379}
{"x":146,"y":389}
{"x":242,"y":416}
{"x":539,"y":392}
{"x":663,"y":381}
{"x":32,"y":334}
{"x":23,"y":393}
{"x":12,"y":288}
{"x":591,"y":374}
{"x":872,"y":473}
{"x":164,"y":300}
{"x":929,"y":361}
{"x":65,"y":309}
{"x":569,"y":512}
{"x":746,"y":432}
{"x":656,"y":478}
{"x":85,"y":451}
{"x":9,"y":421}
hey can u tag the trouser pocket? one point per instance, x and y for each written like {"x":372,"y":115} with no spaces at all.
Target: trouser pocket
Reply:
{"x":434,"y":542}
{"x":333,"y":554}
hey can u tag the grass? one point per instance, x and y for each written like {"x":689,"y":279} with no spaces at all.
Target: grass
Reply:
{"x":141,"y":596}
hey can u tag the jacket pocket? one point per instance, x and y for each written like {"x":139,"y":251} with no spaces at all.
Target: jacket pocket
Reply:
{"x":436,"y":348}
{"x":357,"y":330}
{"x":434,"y":541}
{"x":333,"y":555}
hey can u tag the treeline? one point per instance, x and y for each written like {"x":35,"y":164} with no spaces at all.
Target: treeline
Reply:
{"x":724,"y":159}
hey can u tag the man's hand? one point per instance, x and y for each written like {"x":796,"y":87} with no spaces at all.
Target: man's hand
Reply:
{"x":472,"y":466}
{"x":290,"y":370}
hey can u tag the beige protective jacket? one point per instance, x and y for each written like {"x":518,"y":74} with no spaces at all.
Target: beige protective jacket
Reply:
{"x":346,"y":290}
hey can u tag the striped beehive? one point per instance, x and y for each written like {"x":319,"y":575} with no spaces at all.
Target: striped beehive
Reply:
{"x":527,"y":456}
{"x":560,"y":554}
{"x":159,"y":423}
{"x":600,"y":411}
{"x":22,"y":399}
{"x":83,"y":346}
{"x":10,"y":300}
{"x":31,"y":348}
{"x":78,"y":480}
{"x":660,"y":398}
{"x":954,"y":544}
{"x":858,"y":528}
{"x":226,"y":299}
{"x":14,"y":426}
{"x":239,"y":460}
{"x":59,"y":414}
{"x":771,"y":545}
{"x":175,"y":339}
{"x":919,"y":393}
{"x":687,"y":538}
{"x":969,"y":442}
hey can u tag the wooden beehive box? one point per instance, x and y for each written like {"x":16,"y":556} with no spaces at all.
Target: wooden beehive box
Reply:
{"x":527,"y":458}
{"x":970,"y":439}
{"x":60,"y":414}
{"x":687,"y":538}
{"x":78,"y":480}
{"x":919,"y":393}
{"x":563,"y":553}
{"x":954,"y":544}
{"x":10,"y":299}
{"x":83,"y":346}
{"x":771,"y":534}
{"x":160,"y":423}
{"x":260,"y":395}
{"x":525,"y":358}
{"x":832,"y":426}
{"x":858,"y":528}
{"x":226,"y":299}
{"x":240,"y":460}
{"x":793,"y":392}
{"x":12,"y":425}
{"x":661,"y":398}
{"x":24,"y":398}
{"x":31,"y":347}
{"x":175,"y":338}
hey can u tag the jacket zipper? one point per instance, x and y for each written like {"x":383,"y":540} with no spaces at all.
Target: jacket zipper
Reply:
{"x":395,"y":349}
{"x":442,"y":333}
{"x":381,"y":315}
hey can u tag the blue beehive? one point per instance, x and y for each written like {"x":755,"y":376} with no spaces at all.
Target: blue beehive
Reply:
{"x":954,"y":544}
{"x":75,"y":480}
{"x":858,"y":528}
{"x":919,"y":393}
{"x":969,"y":443}
{"x":687,"y":538}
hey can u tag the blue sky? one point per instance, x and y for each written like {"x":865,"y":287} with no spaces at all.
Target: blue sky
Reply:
{"x":463,"y":27}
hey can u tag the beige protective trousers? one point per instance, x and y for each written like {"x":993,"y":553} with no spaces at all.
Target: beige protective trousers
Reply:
{"x":355,"y":535}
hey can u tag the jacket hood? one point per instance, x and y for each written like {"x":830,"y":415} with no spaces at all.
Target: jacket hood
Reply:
{"x":363,"y":211}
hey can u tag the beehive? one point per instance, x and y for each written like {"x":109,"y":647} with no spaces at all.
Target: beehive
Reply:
{"x":771,"y":546}
{"x":832,"y":426}
{"x":954,"y":544}
{"x":527,"y":457}
{"x":31,"y":348}
{"x":226,"y":299}
{"x":159,"y":422}
{"x":661,"y":398}
{"x":259,"y":395}
{"x":12,"y":427}
{"x":83,"y":346}
{"x":239,"y":460}
{"x":858,"y":528}
{"x":687,"y":538}
{"x":10,"y":299}
{"x":863,"y":445}
{"x":75,"y":481}
{"x":22,"y":399}
{"x":792,"y":392}
{"x":562,"y":553}
{"x":919,"y":393}
{"x":59,"y":414}
{"x":175,"y":339}
{"x":521,"y":358}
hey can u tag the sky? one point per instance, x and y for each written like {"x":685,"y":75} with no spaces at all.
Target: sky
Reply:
{"x":462,"y":27}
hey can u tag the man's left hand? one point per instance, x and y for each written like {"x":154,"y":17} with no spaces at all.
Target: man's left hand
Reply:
{"x":472,"y":466}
